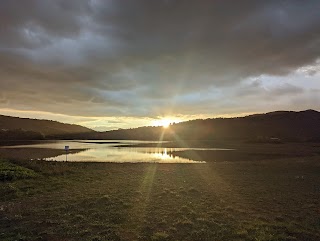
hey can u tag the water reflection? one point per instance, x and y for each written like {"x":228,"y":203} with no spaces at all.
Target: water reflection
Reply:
{"x":130,"y":155}
{"x":105,"y":151}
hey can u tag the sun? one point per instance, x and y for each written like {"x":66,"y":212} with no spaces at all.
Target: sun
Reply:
{"x":165,"y":123}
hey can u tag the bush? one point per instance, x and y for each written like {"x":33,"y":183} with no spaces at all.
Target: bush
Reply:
{"x":9,"y":171}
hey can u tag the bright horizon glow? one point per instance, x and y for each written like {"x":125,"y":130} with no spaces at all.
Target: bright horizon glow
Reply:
{"x":165,"y":122}
{"x":99,"y":123}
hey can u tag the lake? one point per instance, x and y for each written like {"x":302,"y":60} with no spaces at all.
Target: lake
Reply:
{"x":104,"y":151}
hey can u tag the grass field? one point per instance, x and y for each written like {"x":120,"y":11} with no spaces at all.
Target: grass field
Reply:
{"x":268,"y":197}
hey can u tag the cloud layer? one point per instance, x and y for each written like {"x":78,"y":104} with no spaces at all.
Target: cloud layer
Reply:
{"x":146,"y":58}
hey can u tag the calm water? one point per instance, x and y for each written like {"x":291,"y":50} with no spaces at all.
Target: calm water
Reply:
{"x":111,"y":151}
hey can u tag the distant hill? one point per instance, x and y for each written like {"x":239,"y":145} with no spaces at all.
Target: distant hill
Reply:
{"x":275,"y":126}
{"x":269,"y":127}
{"x":16,"y":128}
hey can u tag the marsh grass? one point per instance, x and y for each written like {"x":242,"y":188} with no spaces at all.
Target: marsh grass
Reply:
{"x":249,"y":200}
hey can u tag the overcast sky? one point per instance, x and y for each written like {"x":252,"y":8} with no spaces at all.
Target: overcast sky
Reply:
{"x":115,"y":64}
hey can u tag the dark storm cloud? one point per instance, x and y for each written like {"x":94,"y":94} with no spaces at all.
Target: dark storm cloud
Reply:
{"x":134,"y":58}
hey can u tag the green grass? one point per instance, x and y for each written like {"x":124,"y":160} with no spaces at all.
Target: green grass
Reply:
{"x":276,"y":199}
{"x":10,"y":171}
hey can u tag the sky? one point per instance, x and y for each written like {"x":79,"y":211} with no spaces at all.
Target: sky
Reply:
{"x":109,"y":64}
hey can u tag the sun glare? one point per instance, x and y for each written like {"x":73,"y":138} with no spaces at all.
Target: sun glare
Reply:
{"x":165,"y":123}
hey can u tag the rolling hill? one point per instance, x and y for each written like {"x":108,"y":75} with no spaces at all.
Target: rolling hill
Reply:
{"x":24,"y":128}
{"x":270,"y":127}
{"x":275,"y":126}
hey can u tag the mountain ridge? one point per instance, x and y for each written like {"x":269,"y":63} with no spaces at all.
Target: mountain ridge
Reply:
{"x":281,"y":125}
